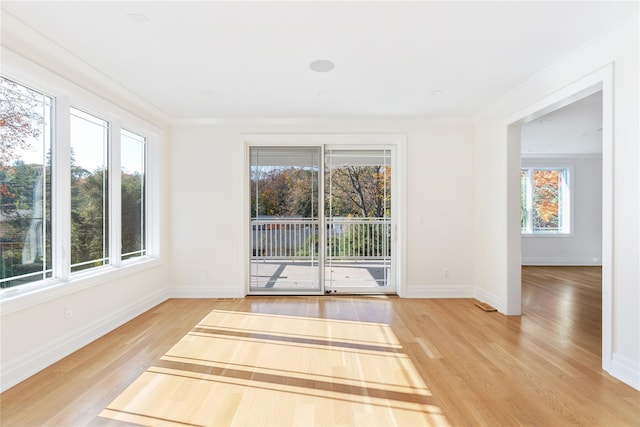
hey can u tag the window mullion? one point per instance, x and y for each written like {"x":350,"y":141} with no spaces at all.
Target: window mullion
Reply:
{"x":115,"y":196}
{"x":530,"y":196}
{"x":566,"y":194}
{"x":61,"y":190}
{"x":151,"y":195}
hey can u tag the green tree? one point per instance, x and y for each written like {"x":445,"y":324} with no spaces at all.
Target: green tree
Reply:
{"x":89,"y":216}
{"x":132,"y":189}
{"x":19,"y":181}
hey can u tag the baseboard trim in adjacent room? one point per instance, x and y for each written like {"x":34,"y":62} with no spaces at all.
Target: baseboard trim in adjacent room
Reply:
{"x":549,"y":261}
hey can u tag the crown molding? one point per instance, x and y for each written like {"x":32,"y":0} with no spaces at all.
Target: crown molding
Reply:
{"x":22,"y":41}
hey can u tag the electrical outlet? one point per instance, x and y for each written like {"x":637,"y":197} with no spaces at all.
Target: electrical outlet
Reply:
{"x":446,"y":272}
{"x":68,"y":314}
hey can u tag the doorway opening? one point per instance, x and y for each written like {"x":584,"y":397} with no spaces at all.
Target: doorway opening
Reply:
{"x":599,"y":81}
{"x":561,"y":197}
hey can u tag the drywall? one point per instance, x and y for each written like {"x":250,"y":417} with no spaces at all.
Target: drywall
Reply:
{"x":497,"y":254}
{"x":207,"y":187}
{"x":583,"y":246}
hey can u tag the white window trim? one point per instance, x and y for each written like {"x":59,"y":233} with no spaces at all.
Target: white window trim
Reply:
{"x":142,"y":134}
{"x":64,"y":95}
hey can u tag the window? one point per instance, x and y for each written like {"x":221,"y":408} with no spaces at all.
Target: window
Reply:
{"x":89,"y":191}
{"x":544,"y":201}
{"x":62,"y":209}
{"x":25,"y":184}
{"x":132,"y":182}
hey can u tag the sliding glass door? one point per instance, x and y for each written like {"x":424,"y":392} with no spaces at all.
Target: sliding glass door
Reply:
{"x":320,"y":220}
{"x":357,"y":214}
{"x":285,"y":220}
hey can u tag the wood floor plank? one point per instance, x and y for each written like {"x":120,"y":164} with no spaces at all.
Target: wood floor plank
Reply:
{"x":343,"y":360}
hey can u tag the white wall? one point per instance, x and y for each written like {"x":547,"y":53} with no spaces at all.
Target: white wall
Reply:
{"x":36,"y":334}
{"x":584,"y":245}
{"x":496,"y":246}
{"x":207,"y":169}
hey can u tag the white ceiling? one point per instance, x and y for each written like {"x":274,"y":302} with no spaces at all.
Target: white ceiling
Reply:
{"x":251,"y":59}
{"x":573,"y":129}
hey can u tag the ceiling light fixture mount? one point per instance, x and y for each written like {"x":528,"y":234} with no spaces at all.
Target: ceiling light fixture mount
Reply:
{"x":321,"y":65}
{"x":138,"y":18}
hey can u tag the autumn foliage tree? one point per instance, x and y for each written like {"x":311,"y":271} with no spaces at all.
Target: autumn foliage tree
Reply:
{"x":21,"y":122}
{"x":363,"y":191}
{"x":350,"y":191}
{"x":541,"y":199}
{"x":358,"y":191}
{"x":24,"y":186}
{"x":21,"y":119}
{"x":284,"y":192}
{"x":546,"y":198}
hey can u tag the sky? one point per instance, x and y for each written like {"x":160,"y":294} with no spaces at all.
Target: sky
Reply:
{"x":88,"y":140}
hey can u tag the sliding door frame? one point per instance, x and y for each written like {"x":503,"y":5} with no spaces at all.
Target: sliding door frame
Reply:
{"x":391,"y":284}
{"x":395,"y":142}
{"x":321,"y":231}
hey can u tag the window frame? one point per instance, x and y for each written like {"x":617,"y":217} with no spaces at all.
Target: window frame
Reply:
{"x":65,"y":95}
{"x":46,"y":273}
{"x":565,"y":208}
{"x":145,"y":210}
{"x":107,"y":151}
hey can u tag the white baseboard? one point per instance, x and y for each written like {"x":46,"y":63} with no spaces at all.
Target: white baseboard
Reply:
{"x":551,"y":261}
{"x":201,"y":292}
{"x":441,"y":291}
{"x":626,"y":370}
{"x":39,"y":358}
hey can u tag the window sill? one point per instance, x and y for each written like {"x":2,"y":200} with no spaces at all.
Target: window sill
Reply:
{"x":19,"y":298}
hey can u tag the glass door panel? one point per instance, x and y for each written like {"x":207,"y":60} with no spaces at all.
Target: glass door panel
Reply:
{"x":357,"y":214}
{"x":285,"y":223}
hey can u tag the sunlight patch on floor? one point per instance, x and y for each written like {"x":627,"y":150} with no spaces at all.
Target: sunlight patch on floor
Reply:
{"x":237,"y":368}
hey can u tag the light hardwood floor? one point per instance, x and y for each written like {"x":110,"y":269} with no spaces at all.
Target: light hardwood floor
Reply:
{"x":343,"y":360}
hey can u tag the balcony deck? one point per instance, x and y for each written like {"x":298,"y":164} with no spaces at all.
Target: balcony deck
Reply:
{"x":274,"y":274}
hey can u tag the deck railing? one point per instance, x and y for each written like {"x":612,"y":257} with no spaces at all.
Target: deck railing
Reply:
{"x":280,"y":238}
{"x":346,"y":238}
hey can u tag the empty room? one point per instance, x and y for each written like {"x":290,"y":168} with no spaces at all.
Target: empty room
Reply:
{"x":320,"y":213}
